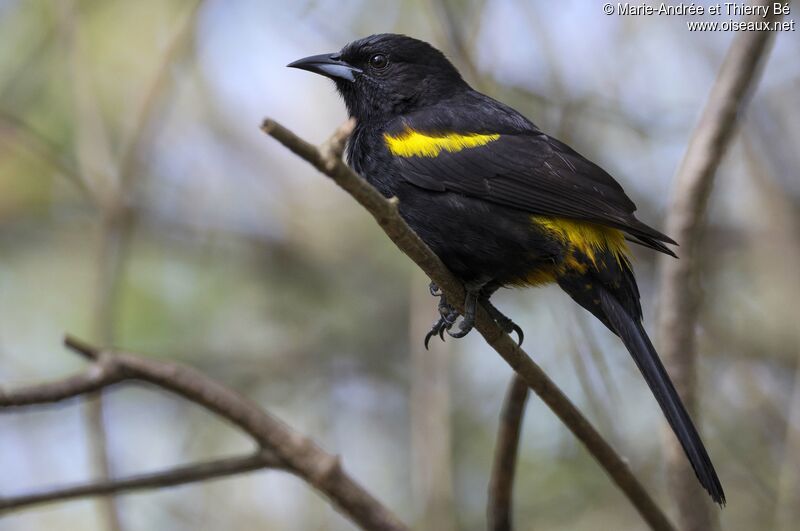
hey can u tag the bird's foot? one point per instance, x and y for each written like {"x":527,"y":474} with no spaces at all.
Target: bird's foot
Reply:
{"x":506,"y":325}
{"x":448,"y":316}
{"x":468,"y":323}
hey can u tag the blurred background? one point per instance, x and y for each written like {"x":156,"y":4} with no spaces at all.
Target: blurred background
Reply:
{"x":141,"y":206}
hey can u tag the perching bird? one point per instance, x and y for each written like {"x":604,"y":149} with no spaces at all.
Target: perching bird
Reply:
{"x":500,"y":202}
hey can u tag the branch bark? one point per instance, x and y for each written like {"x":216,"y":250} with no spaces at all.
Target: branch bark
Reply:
{"x":679,"y":295}
{"x":501,"y":484}
{"x":327,"y":159}
{"x":281,"y":446}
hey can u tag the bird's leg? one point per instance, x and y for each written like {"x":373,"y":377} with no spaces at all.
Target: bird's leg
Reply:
{"x":470,"y":304}
{"x":447,"y":315}
{"x":435,"y":290}
{"x":506,"y":325}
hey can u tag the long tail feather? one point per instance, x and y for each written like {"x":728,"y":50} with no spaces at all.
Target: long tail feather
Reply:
{"x":635,"y":338}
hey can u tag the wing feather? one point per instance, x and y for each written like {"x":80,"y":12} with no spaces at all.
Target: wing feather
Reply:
{"x":530,"y":171}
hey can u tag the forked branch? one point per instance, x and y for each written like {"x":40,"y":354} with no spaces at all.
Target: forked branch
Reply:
{"x":279,"y":445}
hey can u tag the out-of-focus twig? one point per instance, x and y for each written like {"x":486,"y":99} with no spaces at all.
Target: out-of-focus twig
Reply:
{"x":113,"y":189}
{"x":95,"y":162}
{"x":152,"y":97}
{"x":679,"y":296}
{"x":24,"y":136}
{"x":777,"y":214}
{"x":180,"y":475}
{"x":431,"y":424}
{"x":280,"y":446}
{"x":451,"y":34}
{"x":501,"y":483}
{"x":385,"y":212}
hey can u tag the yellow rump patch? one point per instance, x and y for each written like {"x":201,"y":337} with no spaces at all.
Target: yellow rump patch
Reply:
{"x":584,"y":236}
{"x":412,"y":143}
{"x":588,"y":238}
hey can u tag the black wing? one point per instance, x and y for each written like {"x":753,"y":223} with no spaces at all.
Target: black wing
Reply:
{"x":527,"y":170}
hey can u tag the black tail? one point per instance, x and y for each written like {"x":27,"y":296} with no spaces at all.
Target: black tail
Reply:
{"x":635,"y":338}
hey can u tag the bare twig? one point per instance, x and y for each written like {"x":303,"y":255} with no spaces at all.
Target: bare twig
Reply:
{"x":779,"y":218}
{"x":501,"y":485}
{"x":387,"y":216}
{"x":28,"y":139}
{"x":153,"y":96}
{"x":95,"y":161}
{"x":167,"y":478}
{"x":451,"y":33}
{"x":679,"y":296}
{"x":282,"y":446}
{"x":99,"y":375}
{"x":116,"y":224}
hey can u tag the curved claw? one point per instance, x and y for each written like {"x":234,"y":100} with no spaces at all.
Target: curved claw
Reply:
{"x":507,"y":325}
{"x":520,"y":335}
{"x":439,"y":327}
{"x":429,"y":335}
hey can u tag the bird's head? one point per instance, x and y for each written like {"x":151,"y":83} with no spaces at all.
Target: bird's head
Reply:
{"x":387,"y":75}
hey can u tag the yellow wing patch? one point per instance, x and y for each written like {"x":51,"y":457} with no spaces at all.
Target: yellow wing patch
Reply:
{"x":411,"y":143}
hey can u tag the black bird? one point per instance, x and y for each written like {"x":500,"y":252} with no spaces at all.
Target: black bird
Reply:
{"x":500,"y":202}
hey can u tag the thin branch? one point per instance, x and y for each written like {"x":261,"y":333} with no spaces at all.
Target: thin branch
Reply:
{"x":43,"y":149}
{"x":152,"y":97}
{"x":451,"y":32}
{"x":780,"y":220}
{"x":167,"y":478}
{"x":285,"y":447}
{"x":505,"y":456}
{"x":679,"y":296}
{"x":116,"y":230}
{"x":98,"y":376}
{"x":387,"y":216}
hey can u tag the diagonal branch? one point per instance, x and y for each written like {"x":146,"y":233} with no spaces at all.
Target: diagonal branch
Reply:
{"x":28,"y":139}
{"x":501,"y":484}
{"x":327,"y":160}
{"x":282,"y":447}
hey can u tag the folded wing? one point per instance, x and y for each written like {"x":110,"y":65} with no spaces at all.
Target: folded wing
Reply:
{"x":525,"y":169}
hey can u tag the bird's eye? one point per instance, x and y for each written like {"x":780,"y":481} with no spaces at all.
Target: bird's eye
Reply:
{"x":378,"y":61}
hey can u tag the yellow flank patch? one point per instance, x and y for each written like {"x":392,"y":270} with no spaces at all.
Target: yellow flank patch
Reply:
{"x":411,"y":143}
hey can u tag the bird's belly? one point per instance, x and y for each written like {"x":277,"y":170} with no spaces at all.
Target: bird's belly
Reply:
{"x":478,"y":241}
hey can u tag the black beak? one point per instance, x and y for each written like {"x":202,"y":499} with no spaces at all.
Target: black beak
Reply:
{"x":329,"y":65}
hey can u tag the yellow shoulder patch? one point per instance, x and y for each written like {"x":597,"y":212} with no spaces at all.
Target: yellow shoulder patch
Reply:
{"x":411,"y":143}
